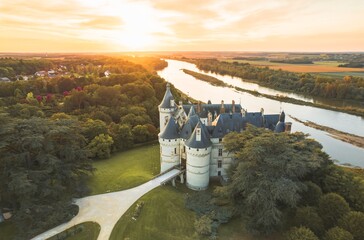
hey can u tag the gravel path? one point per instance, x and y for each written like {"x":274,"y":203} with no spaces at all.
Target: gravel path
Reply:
{"x":106,"y":209}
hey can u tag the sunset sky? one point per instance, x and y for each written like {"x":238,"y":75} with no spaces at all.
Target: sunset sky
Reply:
{"x":181,"y":25}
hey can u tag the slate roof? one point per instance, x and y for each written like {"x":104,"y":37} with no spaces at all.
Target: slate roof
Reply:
{"x":171,"y":130}
{"x":280,"y":127}
{"x":254,"y":118}
{"x":226,"y":123}
{"x":205,"y":140}
{"x":189,"y":126}
{"x":270,"y":121}
{"x":166,"y":102}
{"x":212,"y":108}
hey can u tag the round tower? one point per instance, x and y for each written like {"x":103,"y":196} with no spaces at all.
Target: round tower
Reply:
{"x":166,"y":108}
{"x":169,"y":145}
{"x":198,"y":149}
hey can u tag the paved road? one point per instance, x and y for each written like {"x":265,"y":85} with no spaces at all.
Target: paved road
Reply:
{"x":106,"y":209}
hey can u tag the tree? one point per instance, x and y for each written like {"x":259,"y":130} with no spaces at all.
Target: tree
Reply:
{"x":332,"y":207}
{"x":92,"y":128}
{"x":269,"y":174}
{"x":122,"y":136}
{"x":308,"y":217}
{"x":44,"y":165}
{"x":311,"y":196}
{"x":100,"y":146}
{"x":353,"y":222}
{"x":140,"y":133}
{"x":301,"y":233}
{"x":337,"y":233}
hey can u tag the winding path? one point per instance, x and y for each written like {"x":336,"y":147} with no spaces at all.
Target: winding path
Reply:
{"x":106,"y":209}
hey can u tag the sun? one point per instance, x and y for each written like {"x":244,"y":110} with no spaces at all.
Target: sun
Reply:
{"x":135,"y":40}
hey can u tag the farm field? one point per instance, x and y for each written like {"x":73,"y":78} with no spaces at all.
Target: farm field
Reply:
{"x":326,"y":67}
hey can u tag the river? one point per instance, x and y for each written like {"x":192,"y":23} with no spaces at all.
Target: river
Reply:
{"x":340,"y":151}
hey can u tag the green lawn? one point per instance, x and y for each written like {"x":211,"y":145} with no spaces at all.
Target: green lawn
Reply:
{"x":163,"y":217}
{"x":342,"y":74}
{"x":126,"y":169}
{"x":83,"y":231}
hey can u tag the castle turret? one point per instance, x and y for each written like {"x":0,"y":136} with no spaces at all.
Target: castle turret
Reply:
{"x":166,"y":108}
{"x":281,"y":126}
{"x":198,"y":148}
{"x":170,"y":145}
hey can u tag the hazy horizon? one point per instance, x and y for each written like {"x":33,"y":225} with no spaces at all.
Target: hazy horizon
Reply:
{"x":96,"y":26}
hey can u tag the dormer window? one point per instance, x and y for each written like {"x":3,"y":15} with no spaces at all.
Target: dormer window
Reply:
{"x":172,"y":103}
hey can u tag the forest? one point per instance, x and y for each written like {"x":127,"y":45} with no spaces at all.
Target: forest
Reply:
{"x":348,"y":88}
{"x":53,"y":128}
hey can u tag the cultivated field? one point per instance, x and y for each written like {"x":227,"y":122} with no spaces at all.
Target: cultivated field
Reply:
{"x":318,"y":67}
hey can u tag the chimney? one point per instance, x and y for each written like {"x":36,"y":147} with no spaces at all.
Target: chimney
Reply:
{"x":198,"y":107}
{"x":288,"y":127}
{"x":233,"y":106}
{"x":222,"y":109}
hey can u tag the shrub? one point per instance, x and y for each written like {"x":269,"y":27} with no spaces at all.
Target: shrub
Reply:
{"x":301,"y":233}
{"x":353,"y":222}
{"x":338,"y":233}
{"x":332,"y":207}
{"x":308,"y":217}
{"x":203,"y":225}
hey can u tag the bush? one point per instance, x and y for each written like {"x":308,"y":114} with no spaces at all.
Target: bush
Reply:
{"x":301,"y":233}
{"x":203,"y":225}
{"x":353,"y":222}
{"x":338,"y":233}
{"x":332,"y":207}
{"x":308,"y":217}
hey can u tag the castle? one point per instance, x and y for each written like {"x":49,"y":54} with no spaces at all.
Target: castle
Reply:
{"x":191,"y":136}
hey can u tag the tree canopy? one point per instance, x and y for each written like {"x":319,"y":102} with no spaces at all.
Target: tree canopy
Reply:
{"x":269,"y":174}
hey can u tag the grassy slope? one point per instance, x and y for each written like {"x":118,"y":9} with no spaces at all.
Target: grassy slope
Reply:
{"x":126,"y":169}
{"x":90,"y":231}
{"x":163,"y":217}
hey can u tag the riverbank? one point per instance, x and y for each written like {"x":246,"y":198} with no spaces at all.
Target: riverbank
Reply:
{"x":342,"y":136}
{"x":216,"y":82}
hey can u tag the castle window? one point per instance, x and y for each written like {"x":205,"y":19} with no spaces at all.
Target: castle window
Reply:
{"x":220,"y":139}
{"x":184,"y":149}
{"x":219,"y":164}
{"x":175,"y":150}
{"x":169,"y":140}
{"x":220,"y":152}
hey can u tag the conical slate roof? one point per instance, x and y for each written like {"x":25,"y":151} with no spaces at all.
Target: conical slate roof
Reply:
{"x":166,"y":102}
{"x":204,"y":142}
{"x":191,"y":112}
{"x":171,"y":130}
{"x":189,"y":126}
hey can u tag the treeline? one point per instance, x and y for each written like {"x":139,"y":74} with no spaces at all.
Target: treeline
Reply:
{"x":293,"y":61}
{"x":352,"y":65}
{"x":10,"y":67}
{"x":80,"y":65}
{"x":52,"y":129}
{"x":206,"y":78}
{"x":348,"y":88}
